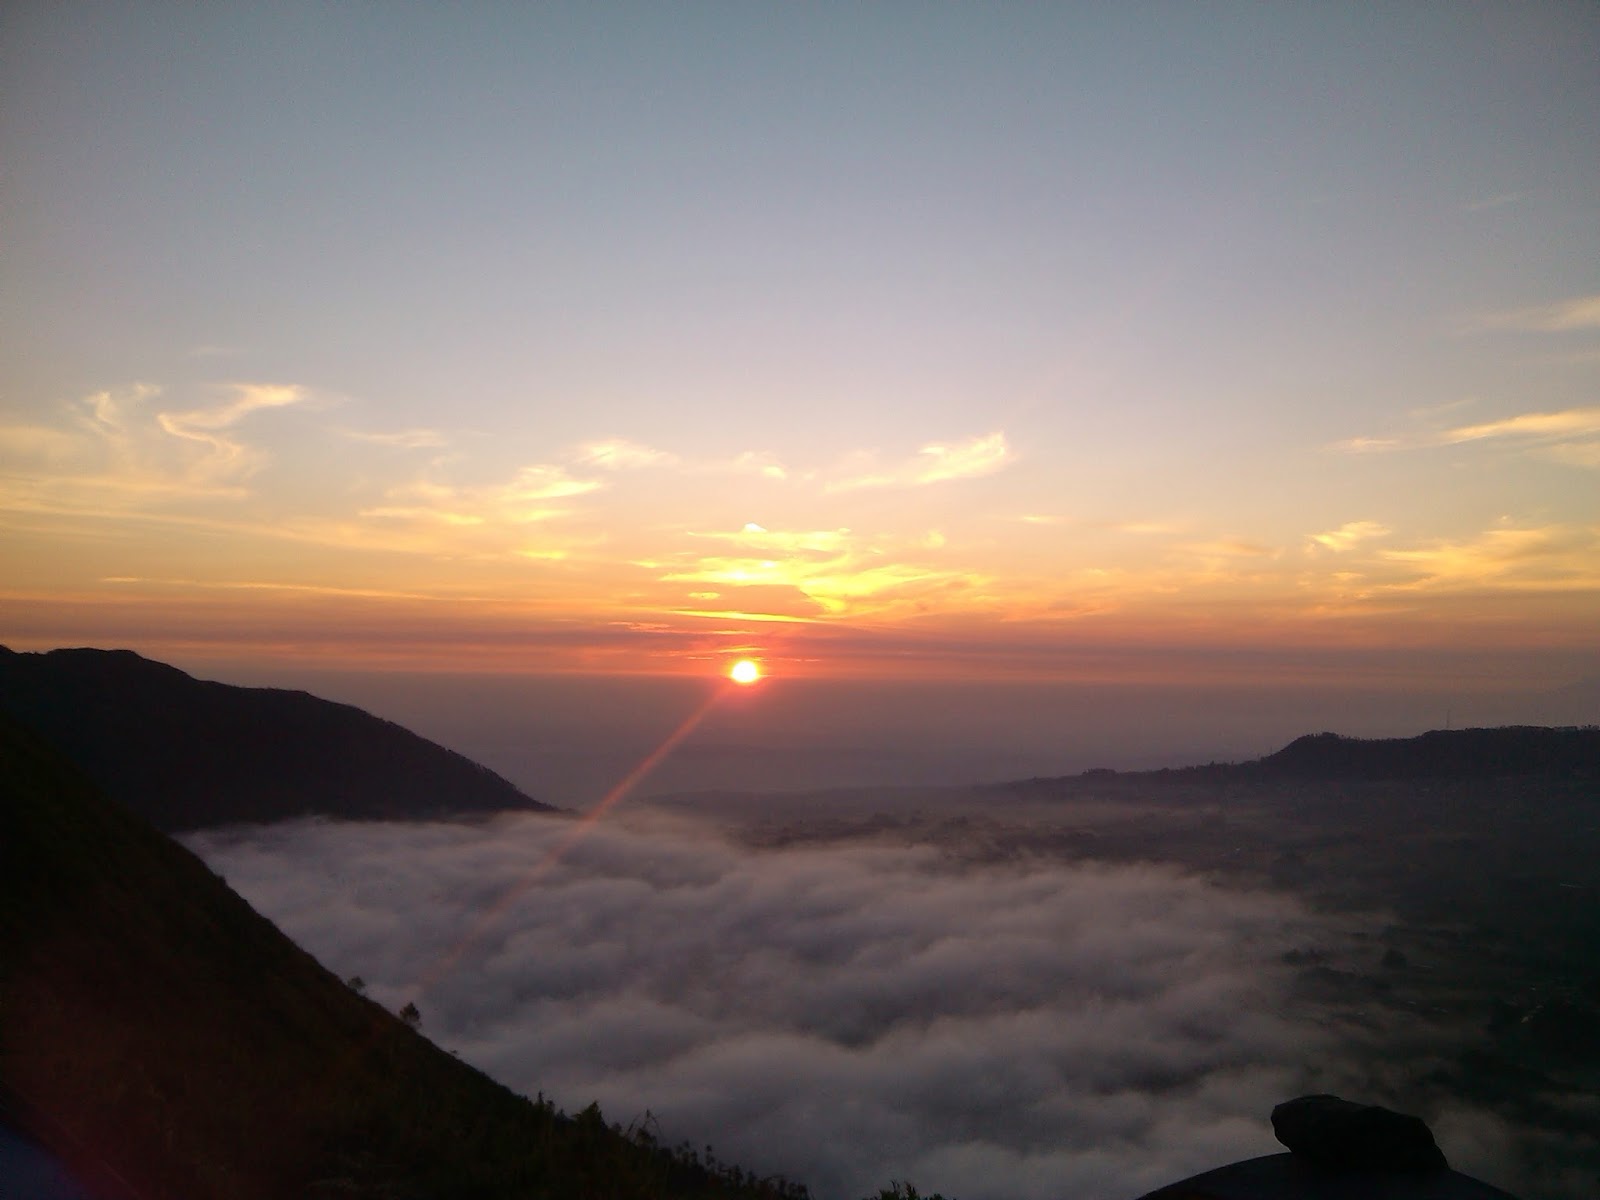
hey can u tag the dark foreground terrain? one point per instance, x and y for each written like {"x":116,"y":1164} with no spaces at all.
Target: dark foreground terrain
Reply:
{"x":166,"y":1041}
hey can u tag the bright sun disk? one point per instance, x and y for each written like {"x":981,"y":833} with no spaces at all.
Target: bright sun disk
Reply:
{"x":744,"y":671}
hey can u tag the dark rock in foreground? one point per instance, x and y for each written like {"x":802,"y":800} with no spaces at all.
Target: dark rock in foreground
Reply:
{"x":185,"y":753}
{"x":1339,"y":1151}
{"x":1339,"y":1135}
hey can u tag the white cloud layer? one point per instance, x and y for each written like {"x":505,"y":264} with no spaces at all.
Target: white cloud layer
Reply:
{"x":843,"y":1016}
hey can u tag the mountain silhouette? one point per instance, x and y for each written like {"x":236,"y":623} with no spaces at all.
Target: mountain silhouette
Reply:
{"x":185,"y":753}
{"x":1442,"y":753}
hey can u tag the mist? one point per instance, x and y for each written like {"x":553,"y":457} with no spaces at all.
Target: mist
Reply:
{"x":843,"y":1016}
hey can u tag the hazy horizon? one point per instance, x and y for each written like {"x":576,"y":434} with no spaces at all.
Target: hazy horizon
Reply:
{"x":569,"y":739}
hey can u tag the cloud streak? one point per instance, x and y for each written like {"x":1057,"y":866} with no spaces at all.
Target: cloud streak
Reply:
{"x":617,"y":454}
{"x":1348,"y":536}
{"x":936,"y":462}
{"x":211,"y":427}
{"x":1572,"y":422}
{"x":403,"y":439}
{"x":834,"y":570}
{"x":1568,"y":435}
{"x":1564,"y":316}
{"x":118,"y":455}
{"x":1532,"y":558}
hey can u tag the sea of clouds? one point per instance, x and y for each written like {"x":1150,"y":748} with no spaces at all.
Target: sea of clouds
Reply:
{"x":843,"y":1015}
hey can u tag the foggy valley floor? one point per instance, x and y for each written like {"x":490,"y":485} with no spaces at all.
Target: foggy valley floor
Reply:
{"x":1083,"y":987}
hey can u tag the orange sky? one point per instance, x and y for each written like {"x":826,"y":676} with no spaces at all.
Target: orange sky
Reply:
{"x":581,"y":348}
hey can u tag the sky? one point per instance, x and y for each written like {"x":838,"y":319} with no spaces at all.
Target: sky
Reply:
{"x":1177,"y":344}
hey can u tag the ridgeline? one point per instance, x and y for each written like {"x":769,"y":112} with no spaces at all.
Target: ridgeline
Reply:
{"x":185,"y":754}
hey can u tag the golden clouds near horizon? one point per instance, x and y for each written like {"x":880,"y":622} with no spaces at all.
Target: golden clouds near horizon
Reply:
{"x":238,"y":512}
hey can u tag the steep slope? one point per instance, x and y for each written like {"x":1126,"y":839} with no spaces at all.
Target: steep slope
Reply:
{"x":185,"y":753}
{"x":168,"y":1041}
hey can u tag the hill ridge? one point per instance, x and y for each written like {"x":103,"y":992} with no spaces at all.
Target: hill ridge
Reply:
{"x":188,"y":753}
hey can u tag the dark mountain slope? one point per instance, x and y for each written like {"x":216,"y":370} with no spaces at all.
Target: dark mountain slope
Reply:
{"x":185,"y":753}
{"x":168,"y":1041}
{"x":1442,"y":754}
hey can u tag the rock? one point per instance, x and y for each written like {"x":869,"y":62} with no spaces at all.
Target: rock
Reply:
{"x":1341,"y":1135}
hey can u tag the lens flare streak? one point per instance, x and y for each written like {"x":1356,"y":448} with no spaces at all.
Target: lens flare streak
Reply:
{"x":487,"y":919}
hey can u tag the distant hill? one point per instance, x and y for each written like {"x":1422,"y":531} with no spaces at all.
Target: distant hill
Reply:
{"x":166,"y":1041}
{"x":185,"y":753}
{"x":1442,"y":753}
{"x":1551,"y":752}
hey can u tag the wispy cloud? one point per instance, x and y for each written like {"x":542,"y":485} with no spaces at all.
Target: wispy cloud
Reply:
{"x":1535,"y":558}
{"x":1576,"y":454}
{"x":618,"y":454}
{"x":542,"y":482}
{"x":936,"y":462}
{"x":963,"y":460}
{"x":226,"y":455}
{"x":39,"y":443}
{"x":1231,"y":547}
{"x":1563,"y":435}
{"x":404,"y":439}
{"x":206,"y":425}
{"x":1564,"y":316}
{"x":1145,"y":528}
{"x":1137,"y":528}
{"x":113,"y":409}
{"x":835,"y":570}
{"x":1572,"y":422}
{"x":115,"y":454}
{"x":1348,"y":535}
{"x":250,"y":585}
{"x":1368,"y":445}
{"x":756,"y":462}
{"x":757,"y":537}
{"x":527,"y":497}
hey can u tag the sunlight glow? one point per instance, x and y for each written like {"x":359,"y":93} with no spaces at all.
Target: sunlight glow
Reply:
{"x":745,"y":671}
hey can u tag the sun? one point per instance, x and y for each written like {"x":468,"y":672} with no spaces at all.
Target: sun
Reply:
{"x":746,"y":671}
